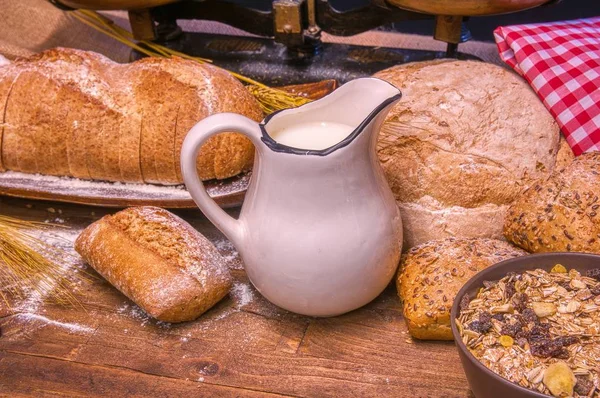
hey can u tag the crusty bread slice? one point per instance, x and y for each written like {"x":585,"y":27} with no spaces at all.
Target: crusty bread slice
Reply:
{"x":46,"y":150}
{"x":61,"y":127}
{"x":130,"y":132}
{"x":130,"y":125}
{"x":144,"y":79}
{"x":216,"y":160}
{"x":73,"y":103}
{"x":25,"y":119}
{"x":159,"y":96}
{"x":111,"y":139}
{"x":8,"y":75}
{"x":93,"y":130}
{"x":158,"y":260}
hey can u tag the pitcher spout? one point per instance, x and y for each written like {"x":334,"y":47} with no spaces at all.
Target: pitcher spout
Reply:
{"x":370,"y":100}
{"x":356,"y":104}
{"x":367,"y":97}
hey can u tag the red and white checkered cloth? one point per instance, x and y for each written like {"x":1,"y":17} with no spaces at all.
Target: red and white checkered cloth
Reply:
{"x":561,"y":61}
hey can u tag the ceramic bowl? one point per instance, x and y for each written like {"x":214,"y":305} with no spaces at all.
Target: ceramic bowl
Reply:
{"x":483,"y":382}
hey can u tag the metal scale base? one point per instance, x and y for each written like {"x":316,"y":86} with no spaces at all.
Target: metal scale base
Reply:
{"x":272,"y":63}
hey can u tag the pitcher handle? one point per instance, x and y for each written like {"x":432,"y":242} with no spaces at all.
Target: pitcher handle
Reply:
{"x":195,"y":138}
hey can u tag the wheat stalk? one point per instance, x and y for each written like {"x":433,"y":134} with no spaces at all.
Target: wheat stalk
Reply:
{"x":30,"y":265}
{"x":270,"y":99}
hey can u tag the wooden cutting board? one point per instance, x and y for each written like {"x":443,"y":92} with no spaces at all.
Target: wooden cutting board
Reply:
{"x":226,"y":193}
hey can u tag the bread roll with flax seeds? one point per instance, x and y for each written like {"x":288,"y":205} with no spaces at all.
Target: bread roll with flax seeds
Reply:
{"x":75,"y":113}
{"x":157,"y":260}
{"x":431,"y":274}
{"x":561,"y":212}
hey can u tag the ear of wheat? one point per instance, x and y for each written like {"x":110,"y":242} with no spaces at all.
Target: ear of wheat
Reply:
{"x":30,"y":266}
{"x":269,"y":98}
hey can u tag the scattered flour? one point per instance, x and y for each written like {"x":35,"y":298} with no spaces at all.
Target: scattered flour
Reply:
{"x":186,"y":338}
{"x":34,"y":299}
{"x":78,"y":187}
{"x":28,"y":309}
{"x":242,"y":294}
{"x":61,"y":238}
{"x":74,"y":187}
{"x":71,"y":327}
{"x":134,"y":312}
{"x":201,"y":379}
{"x":229,"y":253}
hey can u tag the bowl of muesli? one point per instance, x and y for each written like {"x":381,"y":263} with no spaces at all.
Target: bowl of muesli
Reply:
{"x":530,"y":327}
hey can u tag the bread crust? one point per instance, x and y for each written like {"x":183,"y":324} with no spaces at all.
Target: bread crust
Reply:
{"x":464,"y":140}
{"x":8,"y":76}
{"x":431,"y":274}
{"x":115,"y":122}
{"x":157,"y":260}
{"x":560,"y":212}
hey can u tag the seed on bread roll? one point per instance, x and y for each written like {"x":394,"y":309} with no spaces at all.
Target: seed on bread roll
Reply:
{"x":157,"y":260}
{"x":76,"y":113}
{"x":431,"y":274}
{"x":561,"y":212}
{"x":460,"y":145}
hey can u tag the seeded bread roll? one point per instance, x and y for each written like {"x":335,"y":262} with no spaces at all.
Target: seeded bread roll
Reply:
{"x":157,"y":260}
{"x":561,"y":212}
{"x":460,"y":145}
{"x":74,"y":113}
{"x":431,"y":275}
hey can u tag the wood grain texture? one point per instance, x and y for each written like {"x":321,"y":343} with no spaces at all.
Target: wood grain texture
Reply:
{"x":244,"y":346}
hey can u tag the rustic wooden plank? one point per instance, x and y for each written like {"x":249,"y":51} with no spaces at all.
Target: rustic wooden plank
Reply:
{"x":28,"y":375}
{"x":243,"y":344}
{"x":363,"y":349}
{"x":378,"y":338}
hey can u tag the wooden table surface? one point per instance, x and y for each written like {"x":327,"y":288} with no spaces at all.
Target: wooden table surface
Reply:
{"x":244,"y":346}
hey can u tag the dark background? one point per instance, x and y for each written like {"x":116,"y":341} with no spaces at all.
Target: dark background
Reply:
{"x":481,"y":27}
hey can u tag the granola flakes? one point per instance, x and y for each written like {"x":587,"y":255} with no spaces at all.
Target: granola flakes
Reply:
{"x":527,"y":326}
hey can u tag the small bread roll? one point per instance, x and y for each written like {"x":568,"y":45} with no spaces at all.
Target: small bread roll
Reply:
{"x":559,"y":213}
{"x":431,"y":275}
{"x":157,"y":260}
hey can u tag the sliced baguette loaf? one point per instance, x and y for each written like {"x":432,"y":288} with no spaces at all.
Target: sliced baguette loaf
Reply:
{"x":76,"y":110}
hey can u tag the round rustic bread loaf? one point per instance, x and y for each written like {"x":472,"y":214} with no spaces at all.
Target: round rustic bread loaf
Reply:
{"x":561,"y":212}
{"x":460,"y":145}
{"x":431,"y":275}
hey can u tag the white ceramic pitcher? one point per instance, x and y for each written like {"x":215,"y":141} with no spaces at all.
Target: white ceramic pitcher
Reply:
{"x":319,"y":231}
